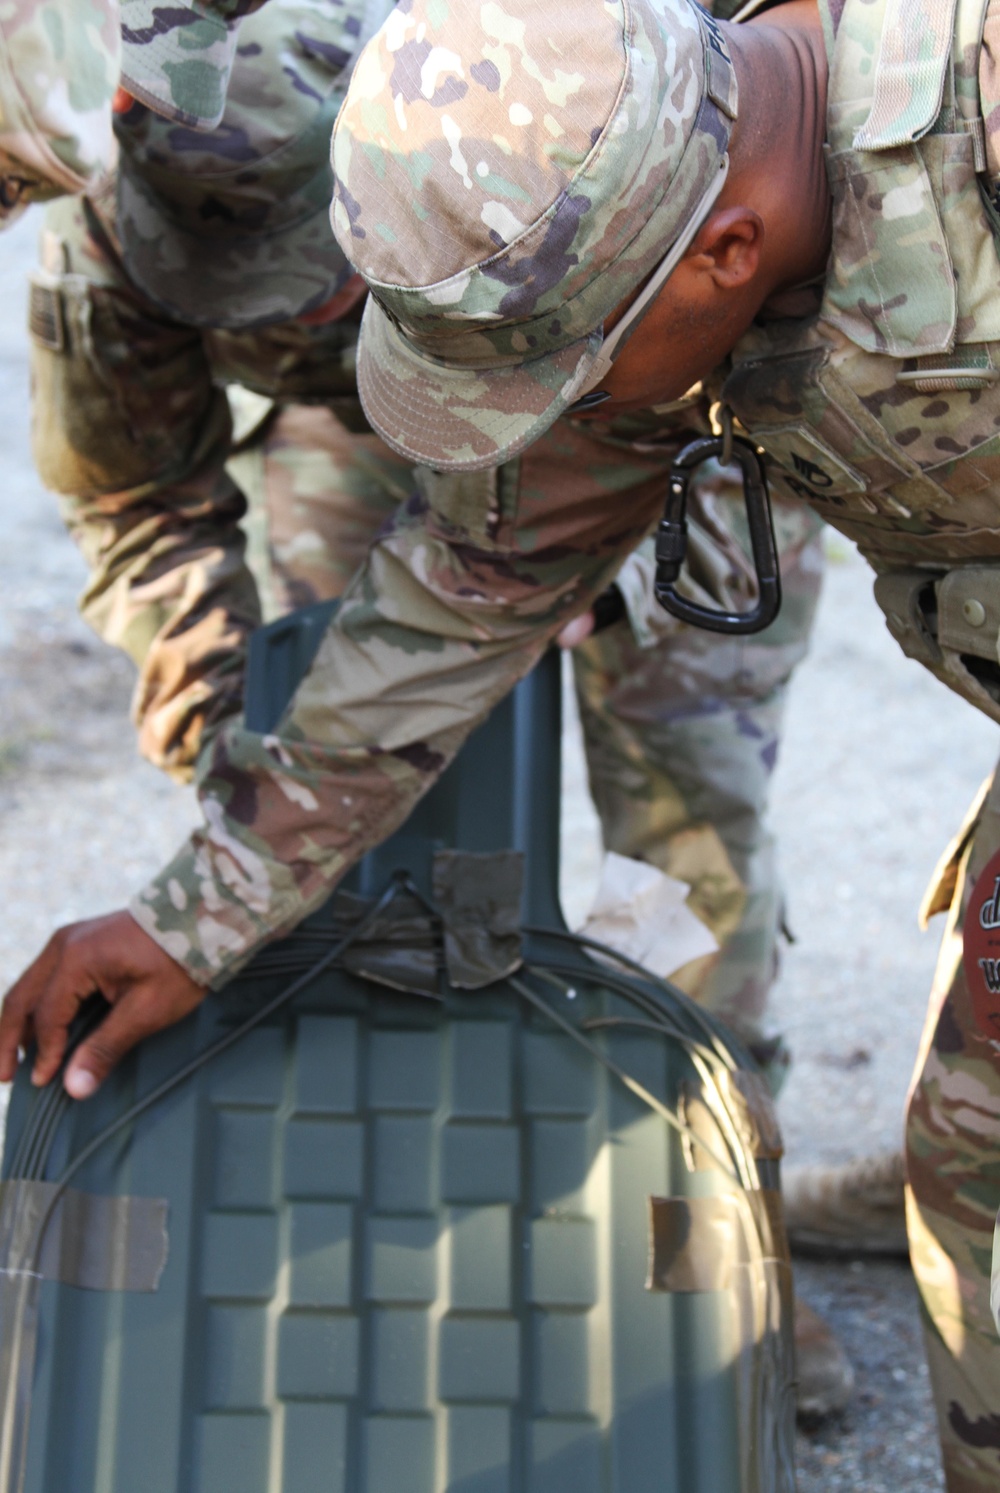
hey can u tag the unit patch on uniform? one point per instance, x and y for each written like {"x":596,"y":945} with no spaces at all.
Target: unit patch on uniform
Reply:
{"x":812,"y":469}
{"x":981,"y":941}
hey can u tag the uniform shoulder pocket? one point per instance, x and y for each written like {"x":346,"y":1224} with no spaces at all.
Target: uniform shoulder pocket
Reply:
{"x":480,"y":505}
{"x":891,"y":285}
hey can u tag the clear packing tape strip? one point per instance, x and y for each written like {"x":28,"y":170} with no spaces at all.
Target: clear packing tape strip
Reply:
{"x":78,"y":1239}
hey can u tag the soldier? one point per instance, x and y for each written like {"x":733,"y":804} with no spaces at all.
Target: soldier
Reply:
{"x":131,"y":426}
{"x":681,"y":727}
{"x":130,"y":420}
{"x":830,"y":268}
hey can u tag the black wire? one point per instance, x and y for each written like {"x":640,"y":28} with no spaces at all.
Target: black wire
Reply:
{"x":679,"y":1004}
{"x":689,"y":1007}
{"x":43,"y":1121}
{"x":653,"y":1007}
{"x":663,"y":1023}
{"x":220,"y":1046}
{"x":632,"y":1084}
{"x":35,"y":1142}
{"x":568,"y":936}
{"x":187,"y":1071}
{"x":45,"y":1136}
{"x":36,"y":1117}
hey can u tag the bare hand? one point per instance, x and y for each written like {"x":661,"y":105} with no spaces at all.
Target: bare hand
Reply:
{"x":145,"y":987}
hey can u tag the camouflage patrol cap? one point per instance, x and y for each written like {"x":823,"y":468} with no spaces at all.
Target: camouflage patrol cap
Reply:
{"x":59,"y":64}
{"x":230,"y":228}
{"x":505,"y":175}
{"x":177,"y":57}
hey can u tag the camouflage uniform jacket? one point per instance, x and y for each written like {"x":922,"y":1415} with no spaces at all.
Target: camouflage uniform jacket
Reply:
{"x":466,"y":584}
{"x":884,"y":409}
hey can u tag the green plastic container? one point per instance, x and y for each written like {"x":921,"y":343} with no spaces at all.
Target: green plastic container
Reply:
{"x":412,"y":1246}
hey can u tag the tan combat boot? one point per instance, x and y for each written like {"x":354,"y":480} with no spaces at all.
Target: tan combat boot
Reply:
{"x":824,"y":1378}
{"x":856,"y":1209}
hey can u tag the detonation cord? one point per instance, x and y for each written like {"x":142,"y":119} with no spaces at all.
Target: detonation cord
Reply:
{"x":670,"y":1013}
{"x":215,"y":1049}
{"x":683,"y":1002}
{"x":34,"y":1146}
{"x":632,"y":1084}
{"x":744,"y":1172}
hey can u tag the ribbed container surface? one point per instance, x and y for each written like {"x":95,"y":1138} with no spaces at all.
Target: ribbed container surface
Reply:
{"x":408,"y":1237}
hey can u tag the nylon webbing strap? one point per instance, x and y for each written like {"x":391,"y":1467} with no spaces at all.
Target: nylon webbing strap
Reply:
{"x":914,"y":54}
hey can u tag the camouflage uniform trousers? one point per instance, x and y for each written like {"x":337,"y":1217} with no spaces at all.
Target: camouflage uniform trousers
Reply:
{"x":132,"y":429}
{"x":953,"y":1180}
{"x":681,"y":729}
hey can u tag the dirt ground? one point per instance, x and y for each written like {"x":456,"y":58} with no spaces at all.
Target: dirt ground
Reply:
{"x":877,"y":768}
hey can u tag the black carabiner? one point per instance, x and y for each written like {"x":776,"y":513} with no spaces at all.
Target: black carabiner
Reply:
{"x":671,"y":540}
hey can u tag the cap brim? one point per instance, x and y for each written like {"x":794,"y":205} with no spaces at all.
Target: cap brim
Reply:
{"x":236,"y":283}
{"x":177,"y":60}
{"x":462,"y":420}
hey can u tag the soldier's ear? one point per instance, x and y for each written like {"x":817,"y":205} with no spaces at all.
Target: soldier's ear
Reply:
{"x":727,"y":248}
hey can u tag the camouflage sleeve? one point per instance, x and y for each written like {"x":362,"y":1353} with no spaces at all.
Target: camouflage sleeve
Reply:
{"x":59,"y":64}
{"x":128,"y":429}
{"x":460,"y":595}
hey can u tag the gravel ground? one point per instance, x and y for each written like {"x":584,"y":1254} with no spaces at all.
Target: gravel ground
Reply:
{"x":878,"y":765}
{"x":885,"y":1441}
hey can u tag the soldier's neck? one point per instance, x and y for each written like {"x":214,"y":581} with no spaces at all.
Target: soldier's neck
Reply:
{"x":777,"y":144}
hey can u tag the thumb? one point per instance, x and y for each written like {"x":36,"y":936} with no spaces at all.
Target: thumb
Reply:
{"x":127,"y":1023}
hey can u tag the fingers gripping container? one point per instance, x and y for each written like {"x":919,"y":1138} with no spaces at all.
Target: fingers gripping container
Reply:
{"x":428,"y":1228}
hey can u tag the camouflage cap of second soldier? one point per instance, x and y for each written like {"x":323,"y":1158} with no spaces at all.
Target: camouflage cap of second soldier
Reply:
{"x":177,"y":56}
{"x":60,"y":65}
{"x":507,"y":171}
{"x":230,"y":227}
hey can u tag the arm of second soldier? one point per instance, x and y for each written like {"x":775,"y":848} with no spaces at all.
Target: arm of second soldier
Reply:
{"x":461,"y":594}
{"x":129,"y":431}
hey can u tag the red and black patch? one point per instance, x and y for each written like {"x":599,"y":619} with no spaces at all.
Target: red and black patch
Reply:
{"x":981,"y":948}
